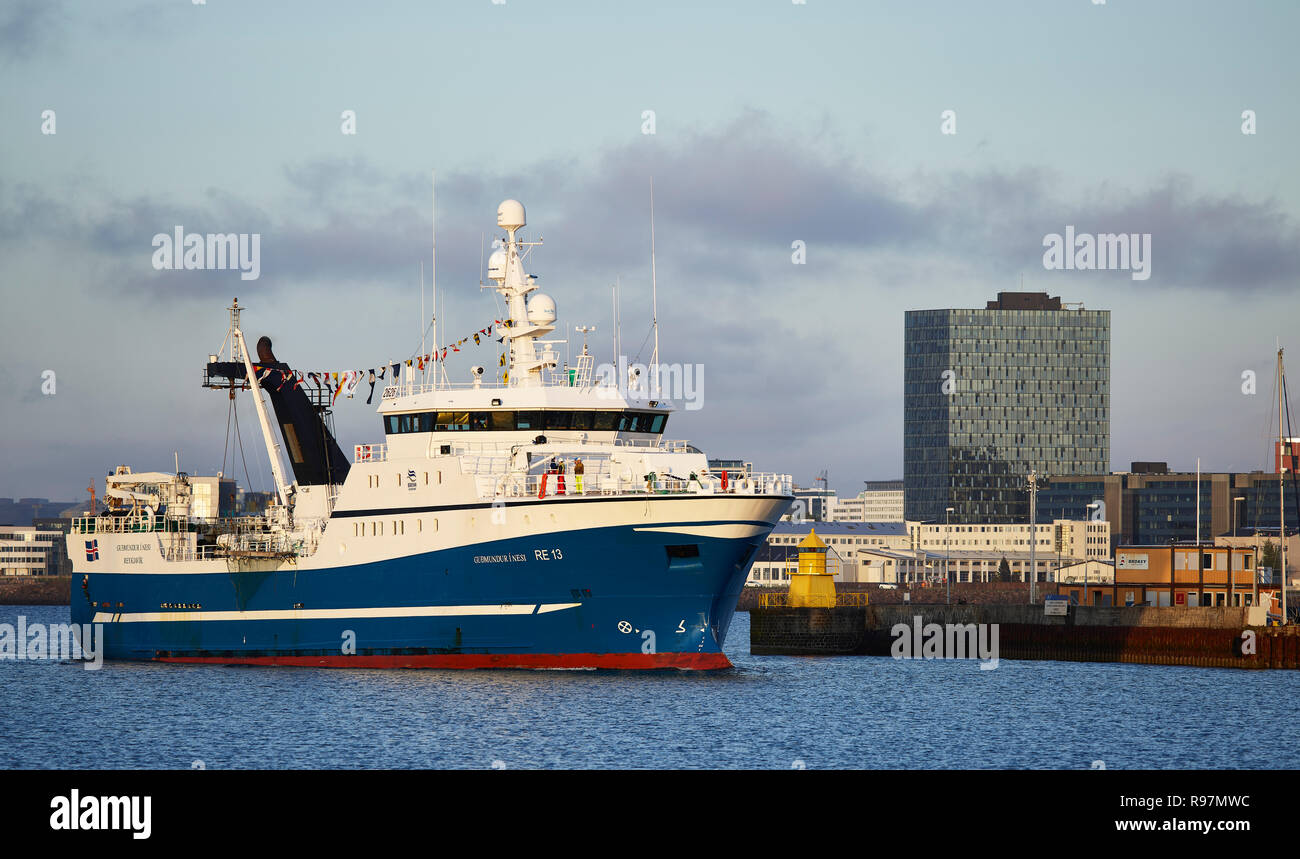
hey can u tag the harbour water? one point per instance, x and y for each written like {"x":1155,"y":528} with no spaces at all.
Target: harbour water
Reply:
{"x":770,"y":712}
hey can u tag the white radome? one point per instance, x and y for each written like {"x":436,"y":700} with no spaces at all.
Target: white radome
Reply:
{"x":510,"y":215}
{"x":497,"y":265}
{"x":541,"y":310}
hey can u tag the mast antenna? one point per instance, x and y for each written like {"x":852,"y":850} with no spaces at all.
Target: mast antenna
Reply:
{"x":423,"y":351}
{"x":654,"y":293}
{"x":433,"y":267}
{"x":618,"y":324}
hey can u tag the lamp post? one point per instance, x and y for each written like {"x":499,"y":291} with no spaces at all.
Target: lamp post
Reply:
{"x":1034,"y":477}
{"x":947,"y":543}
{"x":1087,"y":518}
{"x":1281,"y":532}
{"x":1232,"y":575}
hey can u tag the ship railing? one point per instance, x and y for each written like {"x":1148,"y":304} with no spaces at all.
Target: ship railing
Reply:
{"x":609,"y":482}
{"x":755,"y":483}
{"x":463,"y":448}
{"x":663,"y":445}
{"x":241,"y":525}
{"x":267,"y":544}
{"x":131,"y":524}
{"x":370,"y":453}
{"x":560,"y":378}
{"x":205,"y":552}
{"x":783,"y":600}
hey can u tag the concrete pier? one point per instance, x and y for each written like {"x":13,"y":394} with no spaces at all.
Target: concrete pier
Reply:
{"x":35,"y":590}
{"x":1218,"y":637}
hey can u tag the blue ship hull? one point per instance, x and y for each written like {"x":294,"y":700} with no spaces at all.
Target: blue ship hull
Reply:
{"x":604,"y":597}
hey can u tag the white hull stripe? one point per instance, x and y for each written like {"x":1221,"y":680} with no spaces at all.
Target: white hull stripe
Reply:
{"x":724,"y":531}
{"x":330,"y":613}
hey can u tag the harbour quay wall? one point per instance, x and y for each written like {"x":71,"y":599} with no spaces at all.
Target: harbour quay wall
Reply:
{"x":982,"y":593}
{"x":1209,"y":637}
{"x":35,"y":590}
{"x":839,"y":631}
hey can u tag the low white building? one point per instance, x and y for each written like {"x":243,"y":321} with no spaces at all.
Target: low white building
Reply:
{"x":972,"y":566}
{"x":28,"y":551}
{"x":774,"y":564}
{"x":882,"y":501}
{"x":899,"y":552}
{"x":1064,"y":539}
{"x":845,"y":540}
{"x":1090,"y":572}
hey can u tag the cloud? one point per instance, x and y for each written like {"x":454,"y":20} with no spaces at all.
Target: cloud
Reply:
{"x":728,"y":204}
{"x":28,"y":28}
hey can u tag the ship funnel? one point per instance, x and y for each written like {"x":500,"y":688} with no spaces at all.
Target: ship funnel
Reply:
{"x":314,"y":454}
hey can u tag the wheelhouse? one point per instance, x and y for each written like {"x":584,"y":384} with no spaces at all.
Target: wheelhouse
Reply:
{"x":552,"y":420}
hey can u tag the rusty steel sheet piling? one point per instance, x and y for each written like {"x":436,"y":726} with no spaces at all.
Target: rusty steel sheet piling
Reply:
{"x":1218,"y":637}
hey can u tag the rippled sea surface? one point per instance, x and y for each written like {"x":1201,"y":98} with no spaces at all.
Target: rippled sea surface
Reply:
{"x":769,"y":712}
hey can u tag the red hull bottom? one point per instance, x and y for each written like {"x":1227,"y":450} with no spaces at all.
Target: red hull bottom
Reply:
{"x":626,"y":661}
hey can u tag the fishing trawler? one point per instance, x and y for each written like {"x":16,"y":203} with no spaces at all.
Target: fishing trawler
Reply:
{"x":538,"y":521}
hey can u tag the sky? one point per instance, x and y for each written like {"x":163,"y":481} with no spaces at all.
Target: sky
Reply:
{"x":772,"y":123}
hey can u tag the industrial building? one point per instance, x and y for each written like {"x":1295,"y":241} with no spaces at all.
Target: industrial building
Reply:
{"x":1151,"y":505}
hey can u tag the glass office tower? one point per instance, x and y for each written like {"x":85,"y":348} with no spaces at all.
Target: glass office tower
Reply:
{"x":989,"y":394}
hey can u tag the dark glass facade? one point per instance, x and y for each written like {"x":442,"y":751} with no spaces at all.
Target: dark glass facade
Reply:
{"x":1027,"y":389}
{"x":1165,"y":512}
{"x":1157,"y":509}
{"x":1069,"y":499}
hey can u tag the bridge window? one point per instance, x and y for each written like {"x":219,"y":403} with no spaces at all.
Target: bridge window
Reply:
{"x":642,"y":422}
{"x":531,"y":421}
{"x":451,"y":421}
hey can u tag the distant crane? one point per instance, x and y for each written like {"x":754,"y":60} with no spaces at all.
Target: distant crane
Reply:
{"x":91,"y":490}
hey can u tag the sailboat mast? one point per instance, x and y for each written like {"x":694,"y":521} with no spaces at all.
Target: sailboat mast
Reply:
{"x":1281,"y":482}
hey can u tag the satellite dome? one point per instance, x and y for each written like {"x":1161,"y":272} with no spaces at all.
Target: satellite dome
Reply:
{"x":497,"y":264}
{"x":510,"y":215}
{"x":541,"y":310}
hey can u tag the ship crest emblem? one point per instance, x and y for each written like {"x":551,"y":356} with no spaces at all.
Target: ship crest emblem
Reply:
{"x":92,"y":550}
{"x":410,"y":479}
